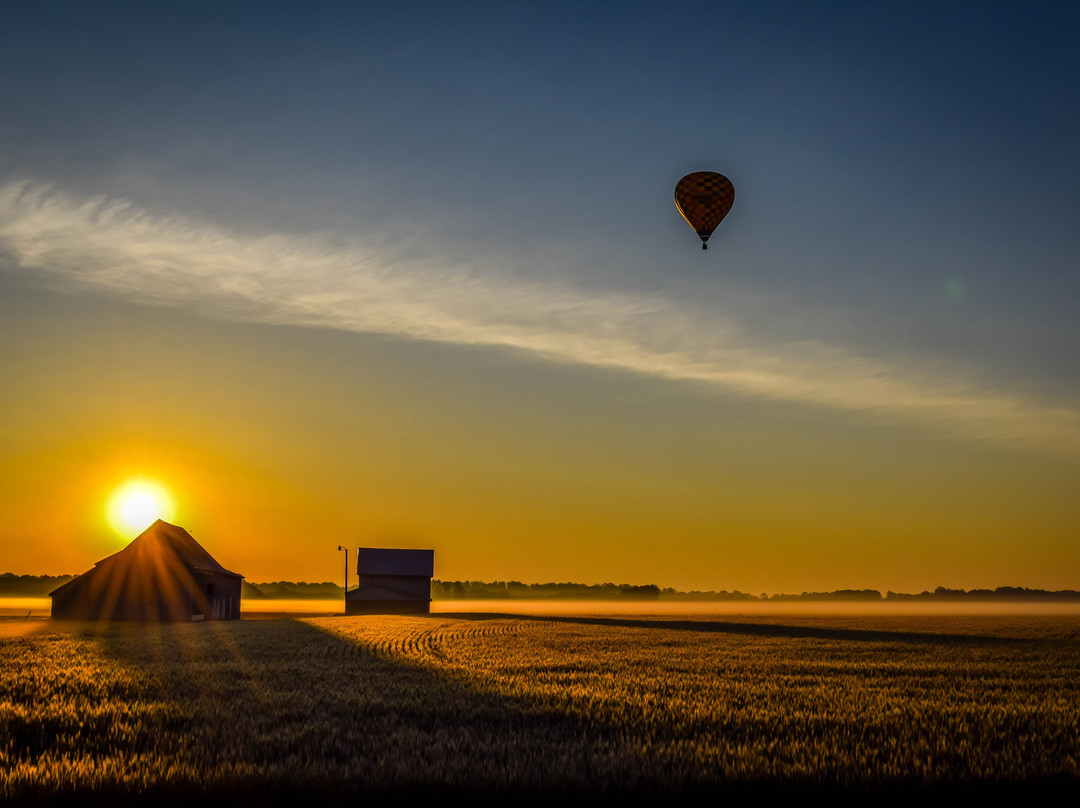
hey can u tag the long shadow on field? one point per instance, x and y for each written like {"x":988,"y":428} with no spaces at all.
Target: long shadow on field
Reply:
{"x":280,"y":710}
{"x":279,"y":707}
{"x":765,"y":629}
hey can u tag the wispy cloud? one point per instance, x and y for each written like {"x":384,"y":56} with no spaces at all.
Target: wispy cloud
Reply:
{"x":112,"y":247}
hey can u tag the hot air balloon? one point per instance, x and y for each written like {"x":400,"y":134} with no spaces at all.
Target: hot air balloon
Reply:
{"x":704,"y":199}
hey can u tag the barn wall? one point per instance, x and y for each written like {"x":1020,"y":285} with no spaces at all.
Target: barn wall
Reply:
{"x":208,"y":588}
{"x":118,"y":594}
{"x":124,"y":594}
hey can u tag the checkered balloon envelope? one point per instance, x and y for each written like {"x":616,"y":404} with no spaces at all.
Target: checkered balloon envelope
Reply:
{"x":704,"y":199}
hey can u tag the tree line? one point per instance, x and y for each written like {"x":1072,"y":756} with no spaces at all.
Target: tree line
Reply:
{"x":12,"y":585}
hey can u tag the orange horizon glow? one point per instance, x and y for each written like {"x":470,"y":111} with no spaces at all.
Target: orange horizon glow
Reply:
{"x":571,"y":478}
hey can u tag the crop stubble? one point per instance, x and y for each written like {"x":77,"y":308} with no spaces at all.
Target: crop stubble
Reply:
{"x":371,"y":704}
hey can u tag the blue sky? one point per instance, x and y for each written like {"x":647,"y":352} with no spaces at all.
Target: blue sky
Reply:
{"x":903,"y":246}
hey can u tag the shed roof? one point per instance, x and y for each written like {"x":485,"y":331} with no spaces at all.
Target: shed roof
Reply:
{"x":387,"y":561}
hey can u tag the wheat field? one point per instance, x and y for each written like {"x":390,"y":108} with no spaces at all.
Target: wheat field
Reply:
{"x":333,"y":706}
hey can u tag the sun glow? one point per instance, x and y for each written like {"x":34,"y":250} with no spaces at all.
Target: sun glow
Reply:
{"x":137,"y":504}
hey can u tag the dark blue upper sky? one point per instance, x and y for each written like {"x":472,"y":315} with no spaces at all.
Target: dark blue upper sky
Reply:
{"x":906,"y":175}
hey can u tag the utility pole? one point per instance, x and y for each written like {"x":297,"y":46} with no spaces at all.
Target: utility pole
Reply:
{"x":346,"y":549}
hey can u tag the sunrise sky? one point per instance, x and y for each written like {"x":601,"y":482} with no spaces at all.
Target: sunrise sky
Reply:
{"x":408,"y":274}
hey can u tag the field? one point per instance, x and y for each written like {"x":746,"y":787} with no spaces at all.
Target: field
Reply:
{"x":330,"y":706}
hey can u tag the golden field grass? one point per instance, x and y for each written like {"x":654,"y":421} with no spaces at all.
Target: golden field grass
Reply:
{"x":515,"y":703}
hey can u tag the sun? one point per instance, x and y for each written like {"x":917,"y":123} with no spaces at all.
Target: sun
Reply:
{"x":136,"y":504}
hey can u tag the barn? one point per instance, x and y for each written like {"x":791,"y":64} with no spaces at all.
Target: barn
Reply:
{"x":164,"y":574}
{"x":391,"y":581}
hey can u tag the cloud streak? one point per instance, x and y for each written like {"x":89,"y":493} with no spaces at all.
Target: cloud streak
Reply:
{"x":112,"y":247}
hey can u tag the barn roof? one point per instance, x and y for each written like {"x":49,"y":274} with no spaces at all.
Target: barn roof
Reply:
{"x":161,"y":538}
{"x":160,"y":545}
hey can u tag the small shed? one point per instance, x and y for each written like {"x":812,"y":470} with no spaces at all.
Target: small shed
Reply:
{"x":391,"y":581}
{"x":163,"y":574}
